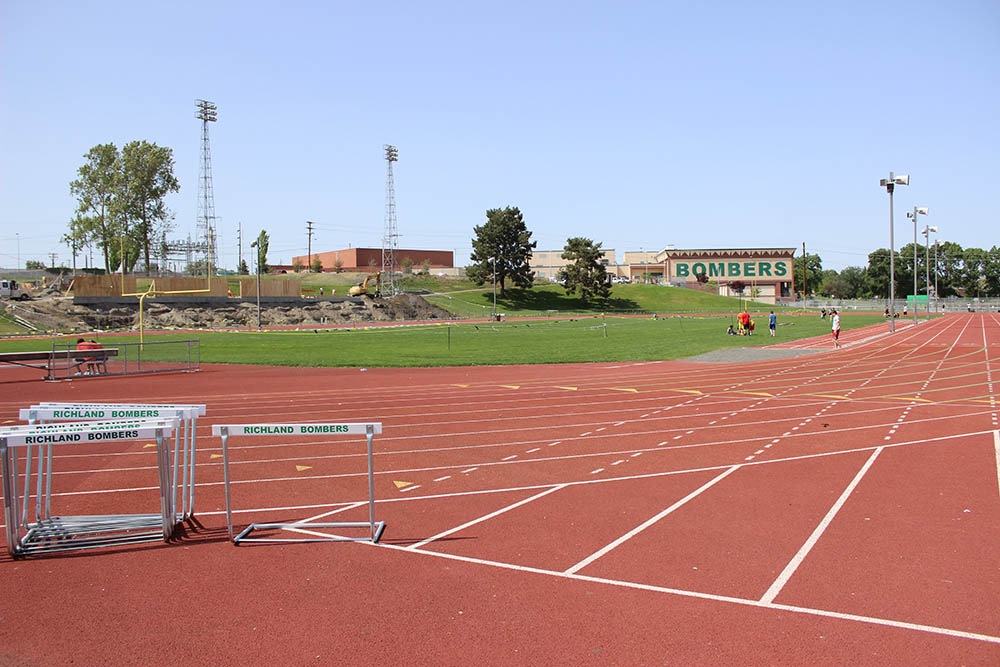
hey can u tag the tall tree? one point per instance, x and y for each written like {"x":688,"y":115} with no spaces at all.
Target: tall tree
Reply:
{"x":814,"y":273}
{"x":502,"y":245}
{"x":95,"y":188}
{"x":148,"y":177}
{"x":585,"y":272}
{"x":262,"y":242}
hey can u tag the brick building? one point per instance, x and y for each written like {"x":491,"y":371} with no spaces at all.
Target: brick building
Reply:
{"x":370,"y":259}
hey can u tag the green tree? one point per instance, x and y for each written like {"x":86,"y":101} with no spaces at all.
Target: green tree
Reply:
{"x":297,"y":266}
{"x":585,"y":272}
{"x":95,"y":188}
{"x":77,"y":237}
{"x":317,"y":266}
{"x":948,"y":267}
{"x":814,"y":273}
{"x":852,"y":282}
{"x":147,"y":177}
{"x":243,"y":269}
{"x":407,"y":265}
{"x":502,"y":245}
{"x":33,"y":265}
{"x":262,"y":242}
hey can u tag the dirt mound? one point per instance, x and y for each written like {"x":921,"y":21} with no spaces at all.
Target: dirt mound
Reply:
{"x":61,"y":314}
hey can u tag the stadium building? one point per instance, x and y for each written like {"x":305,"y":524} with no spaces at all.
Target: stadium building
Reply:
{"x":764,"y":274}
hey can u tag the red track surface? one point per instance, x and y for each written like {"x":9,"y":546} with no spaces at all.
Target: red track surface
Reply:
{"x":840,"y":507}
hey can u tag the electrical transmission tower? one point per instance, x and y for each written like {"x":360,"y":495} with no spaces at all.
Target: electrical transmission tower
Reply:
{"x":389,"y":236}
{"x":207,"y":113}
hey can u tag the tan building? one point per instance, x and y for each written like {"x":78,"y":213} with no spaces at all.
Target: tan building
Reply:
{"x":766,"y":274}
{"x":547,"y":263}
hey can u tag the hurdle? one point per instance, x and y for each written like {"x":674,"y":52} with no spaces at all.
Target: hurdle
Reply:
{"x":187,"y":413}
{"x":369,"y":429}
{"x":49,"y":533}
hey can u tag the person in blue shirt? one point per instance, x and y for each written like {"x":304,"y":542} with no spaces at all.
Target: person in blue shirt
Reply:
{"x":772,"y":322}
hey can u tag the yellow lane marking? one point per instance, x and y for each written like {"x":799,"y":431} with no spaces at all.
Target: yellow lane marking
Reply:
{"x":511,"y":386}
{"x":686,"y":391}
{"x":149,"y":444}
{"x":843,"y":398}
{"x":635,"y":391}
{"x":907,"y":398}
{"x":301,"y":468}
{"x":569,"y":388}
{"x":9,"y":421}
{"x":755,"y":393}
{"x":402,"y":485}
{"x":459,"y":385}
{"x":216,"y":456}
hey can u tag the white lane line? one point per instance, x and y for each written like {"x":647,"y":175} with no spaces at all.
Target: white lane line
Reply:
{"x":619,"y":423}
{"x":637,"y":454}
{"x":758,"y":452}
{"x":336,"y":511}
{"x":409,"y":488}
{"x":996,"y":447}
{"x":600,"y":429}
{"x":414,"y":547}
{"x":618,"y":461}
{"x":793,"y":564}
{"x":749,"y":458}
{"x":585,"y":434}
{"x":468,"y":470}
{"x":649,"y":522}
{"x":508,"y":458}
{"x":532,"y":451}
{"x":660,"y":444}
{"x":553,"y":444}
{"x":441,"y":479}
{"x":594,"y":472}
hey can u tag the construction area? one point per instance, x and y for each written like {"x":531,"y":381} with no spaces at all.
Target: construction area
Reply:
{"x":113,"y":302}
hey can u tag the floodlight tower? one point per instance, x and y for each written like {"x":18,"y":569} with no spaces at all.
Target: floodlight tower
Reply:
{"x":389,"y":235}
{"x":207,"y":113}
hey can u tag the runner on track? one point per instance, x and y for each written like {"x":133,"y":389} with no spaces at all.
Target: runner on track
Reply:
{"x":836,"y":328}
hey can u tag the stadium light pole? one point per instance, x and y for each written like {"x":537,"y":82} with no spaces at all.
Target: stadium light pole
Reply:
{"x":937,"y":242}
{"x":254,"y":245}
{"x":914,"y":214}
{"x":928,"y":229}
{"x":890,"y":184}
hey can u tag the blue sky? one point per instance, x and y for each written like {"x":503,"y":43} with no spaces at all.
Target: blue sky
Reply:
{"x":636,"y":124}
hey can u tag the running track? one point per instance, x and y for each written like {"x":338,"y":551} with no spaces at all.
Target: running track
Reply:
{"x":838,"y":507}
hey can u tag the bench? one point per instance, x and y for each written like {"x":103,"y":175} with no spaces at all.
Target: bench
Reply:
{"x":73,"y":358}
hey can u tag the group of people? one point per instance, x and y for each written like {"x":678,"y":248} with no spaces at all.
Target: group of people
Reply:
{"x":745,"y":325}
{"x":90,"y":363}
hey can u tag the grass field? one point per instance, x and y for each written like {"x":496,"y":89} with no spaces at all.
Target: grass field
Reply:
{"x":540,"y":341}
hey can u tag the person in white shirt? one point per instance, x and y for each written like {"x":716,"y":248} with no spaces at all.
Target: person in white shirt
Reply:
{"x":836,"y":328}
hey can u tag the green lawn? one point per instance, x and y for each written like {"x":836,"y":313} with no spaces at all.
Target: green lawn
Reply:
{"x":525,"y":342}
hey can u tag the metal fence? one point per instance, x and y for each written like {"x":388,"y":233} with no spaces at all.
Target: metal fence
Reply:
{"x":130,"y":358}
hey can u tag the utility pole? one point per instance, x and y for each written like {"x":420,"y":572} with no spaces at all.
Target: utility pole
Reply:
{"x":309,"y":233}
{"x":52,"y":256}
{"x":239,"y":244}
{"x":389,"y":234}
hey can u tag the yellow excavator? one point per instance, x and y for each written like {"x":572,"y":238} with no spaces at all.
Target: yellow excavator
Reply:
{"x":361,"y":289}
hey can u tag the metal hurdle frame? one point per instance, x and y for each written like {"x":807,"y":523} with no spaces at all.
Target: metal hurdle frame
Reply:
{"x":188,"y":414}
{"x":49,"y":534}
{"x":369,"y":429}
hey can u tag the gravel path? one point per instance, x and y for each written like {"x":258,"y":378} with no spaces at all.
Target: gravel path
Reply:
{"x":738,"y":354}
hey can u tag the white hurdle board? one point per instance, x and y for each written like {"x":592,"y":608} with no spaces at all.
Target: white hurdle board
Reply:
{"x":187,"y":413}
{"x":368,"y":429}
{"x":48,"y":533}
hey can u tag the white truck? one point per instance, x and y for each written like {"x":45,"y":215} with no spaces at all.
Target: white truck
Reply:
{"x":10,"y":290}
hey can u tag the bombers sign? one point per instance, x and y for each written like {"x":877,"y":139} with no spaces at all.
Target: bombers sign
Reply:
{"x":774,"y":269}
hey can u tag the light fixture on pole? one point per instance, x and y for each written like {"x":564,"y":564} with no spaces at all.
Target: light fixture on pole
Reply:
{"x":890,"y":184}
{"x":927,"y":265}
{"x":254,"y":245}
{"x":916,"y":212}
{"x":936,"y":244}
